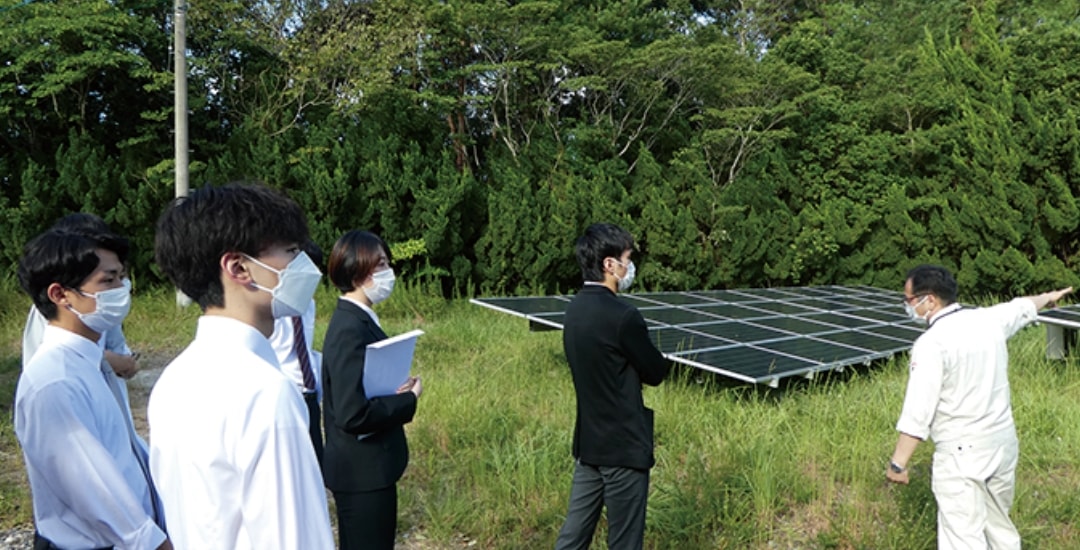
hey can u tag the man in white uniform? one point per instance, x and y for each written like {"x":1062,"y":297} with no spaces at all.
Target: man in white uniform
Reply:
{"x":958,"y":396}
{"x":119,"y":361}
{"x":229,"y":442}
{"x":305,"y":372}
{"x":292,"y":340}
{"x":89,"y":488}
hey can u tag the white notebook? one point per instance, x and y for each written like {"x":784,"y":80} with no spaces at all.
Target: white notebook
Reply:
{"x":387,"y":364}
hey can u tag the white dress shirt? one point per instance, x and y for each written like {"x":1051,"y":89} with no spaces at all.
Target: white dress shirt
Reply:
{"x":229,"y":447}
{"x":88,"y":488}
{"x":33,"y":331}
{"x":113,"y":340}
{"x":958,"y":386}
{"x":367,"y":309}
{"x":282,"y":341}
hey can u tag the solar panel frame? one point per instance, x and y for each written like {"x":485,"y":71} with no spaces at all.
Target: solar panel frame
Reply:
{"x":756,"y":335}
{"x":1065,"y":316}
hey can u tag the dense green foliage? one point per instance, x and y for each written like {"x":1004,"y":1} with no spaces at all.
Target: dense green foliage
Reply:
{"x":748,"y":143}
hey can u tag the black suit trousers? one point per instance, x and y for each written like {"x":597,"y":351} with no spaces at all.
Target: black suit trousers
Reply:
{"x":311,"y":399}
{"x":367,"y":519}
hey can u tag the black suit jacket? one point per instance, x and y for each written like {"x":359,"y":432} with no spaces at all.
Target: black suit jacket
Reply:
{"x":378,"y":460}
{"x":610,"y":354}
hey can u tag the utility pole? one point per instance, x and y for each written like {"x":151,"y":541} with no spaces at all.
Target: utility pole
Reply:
{"x":180,"y":110}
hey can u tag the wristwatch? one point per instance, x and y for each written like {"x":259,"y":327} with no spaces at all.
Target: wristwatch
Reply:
{"x":896,"y":468}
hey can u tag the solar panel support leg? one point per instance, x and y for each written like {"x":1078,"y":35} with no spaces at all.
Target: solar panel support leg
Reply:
{"x":1059,"y":341}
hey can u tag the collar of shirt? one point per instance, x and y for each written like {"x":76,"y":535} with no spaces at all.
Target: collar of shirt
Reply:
{"x":364,"y":307}
{"x":944,"y":311}
{"x":217,"y":330}
{"x":596,"y":285}
{"x":55,"y":336}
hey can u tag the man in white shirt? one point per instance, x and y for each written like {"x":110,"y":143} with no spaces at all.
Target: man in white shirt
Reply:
{"x":88,"y":486}
{"x":120,"y":358}
{"x":305,"y":372}
{"x":958,"y":396}
{"x":119,"y":361}
{"x":292,"y":340}
{"x":229,"y":444}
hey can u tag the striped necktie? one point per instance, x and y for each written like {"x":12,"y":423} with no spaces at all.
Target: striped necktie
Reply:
{"x":300,"y":347}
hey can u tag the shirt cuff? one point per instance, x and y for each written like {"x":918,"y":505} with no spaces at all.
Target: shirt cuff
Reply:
{"x":913,"y":429}
{"x":148,"y":536}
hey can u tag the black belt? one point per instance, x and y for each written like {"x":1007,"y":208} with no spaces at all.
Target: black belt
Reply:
{"x":42,"y":543}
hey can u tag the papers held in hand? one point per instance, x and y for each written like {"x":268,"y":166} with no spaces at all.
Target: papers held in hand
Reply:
{"x":387,"y":364}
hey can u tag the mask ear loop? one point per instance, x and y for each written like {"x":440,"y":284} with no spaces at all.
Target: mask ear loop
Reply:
{"x":234,"y":267}
{"x":612,"y":269}
{"x":924,"y":317}
{"x":251,"y":274}
{"x":71,"y":307}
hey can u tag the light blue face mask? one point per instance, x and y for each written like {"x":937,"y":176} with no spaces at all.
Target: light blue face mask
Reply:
{"x":910,"y":309}
{"x":112,"y":306}
{"x":296,"y":285}
{"x":628,"y":279}
{"x":384,"y":285}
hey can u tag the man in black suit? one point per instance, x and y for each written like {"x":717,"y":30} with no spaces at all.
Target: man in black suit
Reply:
{"x":610,"y":354}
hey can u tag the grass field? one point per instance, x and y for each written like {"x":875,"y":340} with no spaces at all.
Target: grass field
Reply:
{"x":801,"y":466}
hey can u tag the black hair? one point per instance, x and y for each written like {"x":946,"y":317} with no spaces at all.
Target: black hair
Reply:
{"x":354,"y":257}
{"x":933,"y":279}
{"x":315,"y":253}
{"x":83,"y":223}
{"x":58,"y":256}
{"x":194,"y":232}
{"x":95,"y":229}
{"x":600,"y":241}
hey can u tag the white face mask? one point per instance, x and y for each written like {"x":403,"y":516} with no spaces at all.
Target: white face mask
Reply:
{"x":112,"y":306}
{"x":628,"y":279}
{"x":384,"y":285}
{"x":910,"y":309}
{"x":295,"y":288}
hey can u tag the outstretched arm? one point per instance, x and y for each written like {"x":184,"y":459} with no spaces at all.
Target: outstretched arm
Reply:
{"x":1048,"y":299}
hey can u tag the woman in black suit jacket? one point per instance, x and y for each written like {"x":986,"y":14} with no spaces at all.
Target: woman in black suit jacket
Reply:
{"x":366,"y":452}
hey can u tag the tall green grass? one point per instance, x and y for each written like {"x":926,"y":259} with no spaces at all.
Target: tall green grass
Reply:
{"x":800,"y":466}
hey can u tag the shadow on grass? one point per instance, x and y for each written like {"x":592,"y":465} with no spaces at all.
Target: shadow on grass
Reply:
{"x":692,"y":377}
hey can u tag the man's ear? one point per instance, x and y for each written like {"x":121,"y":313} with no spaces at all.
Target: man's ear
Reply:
{"x":57,"y":294}
{"x":235,"y":269}
{"x":606,"y":267}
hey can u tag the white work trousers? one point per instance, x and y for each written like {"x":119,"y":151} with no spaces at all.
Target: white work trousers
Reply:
{"x":973,"y":482}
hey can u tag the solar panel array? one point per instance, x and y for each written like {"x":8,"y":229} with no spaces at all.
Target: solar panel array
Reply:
{"x":1065,"y":316}
{"x":1062,"y":326}
{"x":756,"y":335}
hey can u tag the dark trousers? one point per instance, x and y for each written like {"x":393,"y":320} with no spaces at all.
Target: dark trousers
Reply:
{"x":625,"y":493}
{"x":367,"y":519}
{"x":42,"y":543}
{"x":315,"y":423}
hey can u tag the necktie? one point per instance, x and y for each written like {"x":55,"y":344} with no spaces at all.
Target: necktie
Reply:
{"x":114,"y":382}
{"x":300,"y":347}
